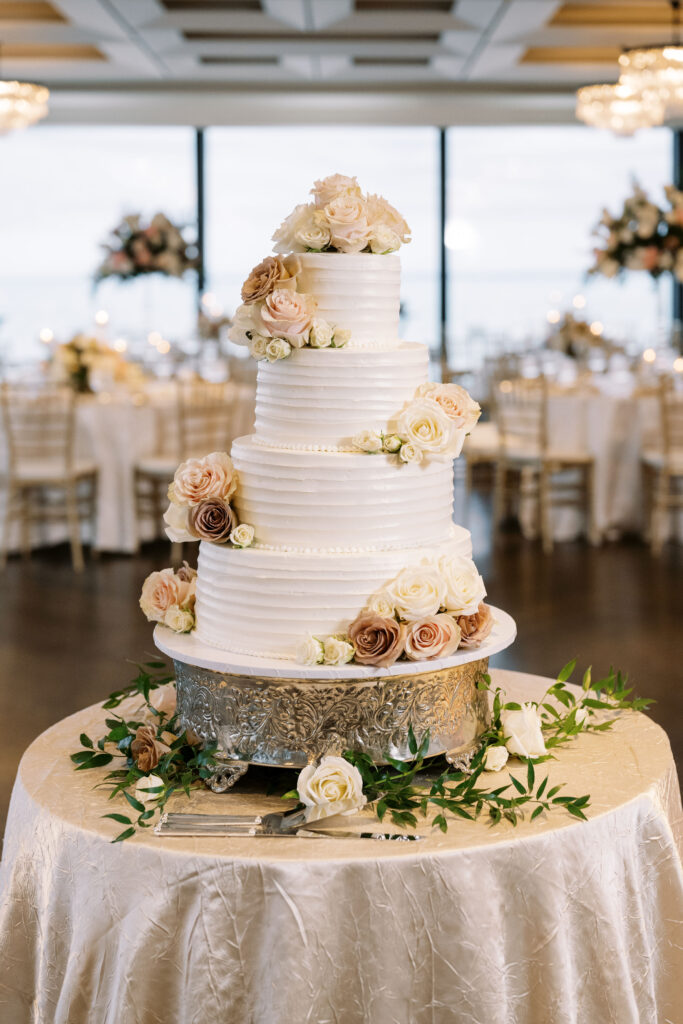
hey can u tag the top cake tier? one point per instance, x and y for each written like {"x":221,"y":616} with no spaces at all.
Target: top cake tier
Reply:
{"x":359,"y":292}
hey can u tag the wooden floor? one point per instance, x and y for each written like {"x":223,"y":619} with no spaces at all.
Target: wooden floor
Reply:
{"x":65,"y":640}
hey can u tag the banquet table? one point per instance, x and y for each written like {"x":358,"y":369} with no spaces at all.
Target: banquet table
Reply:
{"x":555,"y":920}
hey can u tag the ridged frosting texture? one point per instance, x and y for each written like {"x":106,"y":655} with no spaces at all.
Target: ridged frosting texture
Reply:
{"x":356,"y":291}
{"x":340,"y":501}
{"x":262,"y":602}
{"x":319,"y":398}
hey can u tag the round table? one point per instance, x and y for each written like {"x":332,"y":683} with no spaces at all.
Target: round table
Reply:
{"x":557,"y":920}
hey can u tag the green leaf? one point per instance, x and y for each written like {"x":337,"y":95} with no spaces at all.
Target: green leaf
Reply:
{"x":541,"y":788}
{"x":100,"y":759}
{"x":536,"y":811}
{"x":577,"y":812}
{"x":566,"y":672}
{"x":530,"y":775}
{"x":124,"y":835}
{"x":85,"y":740}
{"x":586,"y":684}
{"x":81,"y":756}
{"x":412,"y":742}
{"x":135,"y":804}
{"x":291,"y":794}
{"x":517,"y":784}
{"x":121,"y":818}
{"x":440,"y":822}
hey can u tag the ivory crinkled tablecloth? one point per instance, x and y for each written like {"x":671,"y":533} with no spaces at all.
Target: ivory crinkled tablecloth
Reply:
{"x":556,"y":922}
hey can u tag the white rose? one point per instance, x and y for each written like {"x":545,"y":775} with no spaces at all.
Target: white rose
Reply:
{"x":346,"y":217}
{"x":329,"y":188}
{"x":142,"y":790}
{"x":340,"y":337}
{"x":310,"y":651}
{"x":410,"y":453}
{"x":522,"y":731}
{"x":424,"y":424}
{"x":277,"y":348}
{"x":465,"y":588}
{"x":379,"y":211}
{"x":417,"y":592}
{"x":581,"y":715}
{"x":180,"y":620}
{"x":367,"y":441}
{"x":245,"y":322}
{"x":284,"y":239}
{"x":176,"y":518}
{"x":496,"y":758}
{"x":332,"y":783}
{"x":455,"y":401}
{"x":384,"y":239}
{"x":337,"y":652}
{"x":242,"y":536}
{"x":312,"y":232}
{"x":321,"y":334}
{"x":392,"y":443}
{"x":258,"y":346}
{"x":382,"y":604}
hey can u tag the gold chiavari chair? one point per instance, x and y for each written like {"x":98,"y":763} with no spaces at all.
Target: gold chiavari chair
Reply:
{"x":528,"y":466}
{"x":206,"y":414}
{"x":663,"y":466}
{"x":45,"y":481}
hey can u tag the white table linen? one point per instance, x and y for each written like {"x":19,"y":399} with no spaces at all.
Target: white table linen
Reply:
{"x":558,"y":920}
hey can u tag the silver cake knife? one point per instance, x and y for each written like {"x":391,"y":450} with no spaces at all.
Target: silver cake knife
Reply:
{"x":236,"y":826}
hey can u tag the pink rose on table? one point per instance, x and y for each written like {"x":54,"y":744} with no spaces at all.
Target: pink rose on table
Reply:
{"x":475,"y":628}
{"x":376,"y":640}
{"x":212,"y":520}
{"x":162,"y":590}
{"x":286,"y":314}
{"x":212,"y":476}
{"x":434,"y":637}
{"x":348,"y":223}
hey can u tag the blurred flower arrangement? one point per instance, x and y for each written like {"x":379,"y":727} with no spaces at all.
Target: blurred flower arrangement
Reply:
{"x":576,"y":338}
{"x":137,"y":248}
{"x":642,"y":237}
{"x":73,"y":361}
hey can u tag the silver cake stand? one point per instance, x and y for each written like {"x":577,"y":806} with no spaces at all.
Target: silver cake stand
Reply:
{"x":272,"y":712}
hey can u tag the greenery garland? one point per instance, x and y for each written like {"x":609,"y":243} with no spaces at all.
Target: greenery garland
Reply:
{"x":401,"y":789}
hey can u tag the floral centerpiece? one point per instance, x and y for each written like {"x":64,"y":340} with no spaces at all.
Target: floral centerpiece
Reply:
{"x":138,"y":248}
{"x":576,"y":338}
{"x":642,"y":237}
{"x":73,"y":361}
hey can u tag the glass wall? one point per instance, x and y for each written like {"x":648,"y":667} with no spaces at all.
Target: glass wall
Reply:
{"x":62,"y":190}
{"x":522,"y":204}
{"x":255,"y":177}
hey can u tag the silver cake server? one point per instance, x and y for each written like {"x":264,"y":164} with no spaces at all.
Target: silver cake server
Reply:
{"x":271,"y":825}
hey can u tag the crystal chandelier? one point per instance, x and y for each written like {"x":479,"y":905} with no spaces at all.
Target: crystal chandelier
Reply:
{"x":619,"y":108}
{"x":21,"y":104}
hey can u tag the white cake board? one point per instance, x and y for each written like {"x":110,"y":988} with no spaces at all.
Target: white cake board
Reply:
{"x":187,"y":648}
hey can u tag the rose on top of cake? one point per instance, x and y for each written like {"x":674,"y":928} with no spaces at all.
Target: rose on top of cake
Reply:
{"x":275,"y":317}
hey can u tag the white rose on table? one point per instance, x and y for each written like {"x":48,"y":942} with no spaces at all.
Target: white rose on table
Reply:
{"x":327,"y":189}
{"x":349,"y":229}
{"x":244,"y":323}
{"x":310,"y":651}
{"x":212,"y":476}
{"x":384,"y":239}
{"x":423,"y":423}
{"x":286,"y":314}
{"x":147,"y":783}
{"x":369,"y":441}
{"x":242,"y":536}
{"x":258,"y":346}
{"x":382,"y":604}
{"x":340,"y":337}
{"x":495,"y":759}
{"x":464,"y":586}
{"x":522,"y":731}
{"x":334,"y":783}
{"x":455,"y":401}
{"x":417,"y":592}
{"x":176,"y":519}
{"x":321,"y":333}
{"x":337,"y":651}
{"x":410,"y":453}
{"x":277,"y":348}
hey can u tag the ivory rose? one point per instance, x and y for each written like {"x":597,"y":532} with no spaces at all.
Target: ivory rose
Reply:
{"x":334,"y":782}
{"x":288,"y":315}
{"x":391,"y":443}
{"x":147,"y":783}
{"x":177,"y":529}
{"x":464,"y":586}
{"x":522,"y":731}
{"x":455,"y":401}
{"x":312,"y":231}
{"x":271,"y":273}
{"x":417,"y":592}
{"x":161,"y":590}
{"x":146,"y":749}
{"x":212,"y":520}
{"x":476,"y":627}
{"x":284,"y":239}
{"x":424,"y":424}
{"x":369,"y":441}
{"x":310,"y":651}
{"x":277,"y":348}
{"x":341,"y":337}
{"x":349,"y":229}
{"x":180,"y":620}
{"x":410,"y":453}
{"x":258,"y":346}
{"x":327,"y":189}
{"x":245,"y":323}
{"x":383,"y":239}
{"x":212,"y":476}
{"x":382,"y":213}
{"x":435,"y":637}
{"x":321,"y":334}
{"x":495,"y":759}
{"x":337,"y":651}
{"x":376,"y":640}
{"x":381,"y":604}
{"x":242,"y":536}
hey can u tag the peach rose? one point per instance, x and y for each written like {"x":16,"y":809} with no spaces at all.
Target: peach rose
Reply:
{"x":380,"y":213}
{"x":212,"y":476}
{"x":475,"y":628}
{"x":271,"y":273}
{"x":455,"y":401}
{"x":376,"y":640}
{"x":327,"y":189}
{"x":288,"y":315}
{"x":212,"y":520}
{"x":146,"y":749}
{"x":162,"y":590}
{"x":434,"y":637}
{"x":348,"y":223}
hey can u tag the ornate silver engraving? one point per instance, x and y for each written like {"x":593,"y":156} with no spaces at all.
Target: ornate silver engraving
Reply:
{"x":225,"y":775}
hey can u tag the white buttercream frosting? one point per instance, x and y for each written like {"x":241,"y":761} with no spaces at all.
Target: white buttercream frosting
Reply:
{"x":261,"y":602}
{"x":341,"y":501}
{"x":356,"y":291}
{"x":319,"y":398}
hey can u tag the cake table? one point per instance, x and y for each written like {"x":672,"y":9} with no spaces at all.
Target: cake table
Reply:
{"x":557,"y":920}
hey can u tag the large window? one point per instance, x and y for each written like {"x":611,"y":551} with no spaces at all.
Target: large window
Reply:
{"x":255,"y":176}
{"x":61,"y":191}
{"x":522,"y":204}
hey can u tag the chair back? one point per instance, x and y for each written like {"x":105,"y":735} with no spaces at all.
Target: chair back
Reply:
{"x":521,"y":411}
{"x":671,"y":406}
{"x":205,"y":415}
{"x":38,"y":421}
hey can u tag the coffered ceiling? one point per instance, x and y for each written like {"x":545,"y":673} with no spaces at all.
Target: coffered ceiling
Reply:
{"x":369,"y":48}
